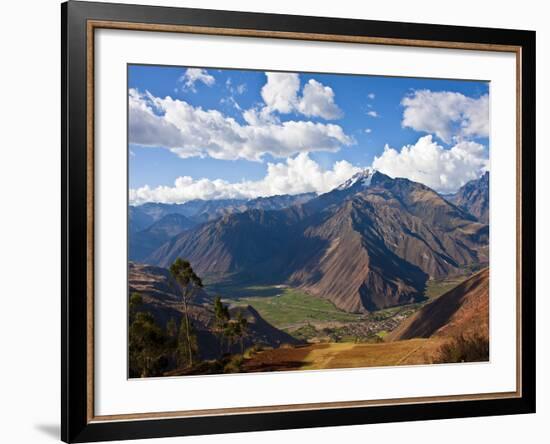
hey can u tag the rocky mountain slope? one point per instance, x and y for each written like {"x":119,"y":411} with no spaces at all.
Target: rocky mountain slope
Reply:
{"x":473,"y":197}
{"x":142,"y":243}
{"x":371,"y":243}
{"x":153,"y":224}
{"x":462,"y":310}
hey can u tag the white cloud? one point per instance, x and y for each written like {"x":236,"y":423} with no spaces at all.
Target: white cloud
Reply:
{"x":235,"y":90}
{"x":190,"y":131}
{"x":368,"y":130}
{"x":372,"y":114}
{"x":193,"y":75}
{"x":281,"y":94}
{"x":371,"y":96}
{"x":427,"y":162}
{"x":449,"y":115}
{"x":318,"y":100}
{"x":297,"y":175}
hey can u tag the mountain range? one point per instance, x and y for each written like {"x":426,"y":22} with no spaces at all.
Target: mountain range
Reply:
{"x":199,"y":210}
{"x":371,"y":243}
{"x":143,"y":242}
{"x":474,"y":198}
{"x":152,"y":224}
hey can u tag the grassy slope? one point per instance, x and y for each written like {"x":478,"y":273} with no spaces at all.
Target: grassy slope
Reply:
{"x":434,"y":289}
{"x":345,"y":355}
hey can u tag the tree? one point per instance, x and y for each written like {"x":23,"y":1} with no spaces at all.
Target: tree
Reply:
{"x":187,"y":345}
{"x":172,"y":333}
{"x":236,"y":330}
{"x":189,"y":283}
{"x":230,"y":333}
{"x":221,"y":319}
{"x":147,"y":346}
{"x":241,"y":329}
{"x":136,"y":301}
{"x":172,"y":328}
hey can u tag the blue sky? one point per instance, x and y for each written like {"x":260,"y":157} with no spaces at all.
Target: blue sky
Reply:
{"x":440,"y":119}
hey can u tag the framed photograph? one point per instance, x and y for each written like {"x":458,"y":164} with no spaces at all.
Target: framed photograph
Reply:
{"x":276,"y":221}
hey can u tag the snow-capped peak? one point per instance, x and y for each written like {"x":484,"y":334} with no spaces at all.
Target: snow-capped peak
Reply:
{"x":363,"y":178}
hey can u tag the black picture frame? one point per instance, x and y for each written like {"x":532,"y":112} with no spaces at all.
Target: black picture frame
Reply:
{"x":76,"y":423}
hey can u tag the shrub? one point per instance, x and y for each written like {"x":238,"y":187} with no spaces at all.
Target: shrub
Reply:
{"x":473,"y":348}
{"x":234,"y":364}
{"x":250,"y":351}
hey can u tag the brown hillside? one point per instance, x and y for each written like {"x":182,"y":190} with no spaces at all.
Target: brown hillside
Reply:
{"x":162,"y":299}
{"x":378,"y":249}
{"x":462,"y":310}
{"x":352,"y":266}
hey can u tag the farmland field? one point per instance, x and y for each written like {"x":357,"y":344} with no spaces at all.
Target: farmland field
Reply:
{"x":286,"y":307}
{"x":314,"y":319}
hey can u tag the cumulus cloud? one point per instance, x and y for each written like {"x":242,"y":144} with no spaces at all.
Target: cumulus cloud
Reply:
{"x":296,"y":175}
{"x":318,"y":100}
{"x":190,"y":131}
{"x":372,"y":114}
{"x":371,"y":96}
{"x":281,"y":94}
{"x":427,"y":162}
{"x":449,"y":115}
{"x":368,"y":130}
{"x":193,"y":75}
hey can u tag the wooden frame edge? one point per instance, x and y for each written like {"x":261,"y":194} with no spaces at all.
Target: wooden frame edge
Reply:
{"x":92,"y":25}
{"x":90,"y":238}
{"x":303,"y":407}
{"x":337,"y":38}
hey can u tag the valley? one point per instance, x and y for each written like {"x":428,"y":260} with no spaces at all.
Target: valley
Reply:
{"x":316,"y":320}
{"x":282,"y":221}
{"x":376,"y":272}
